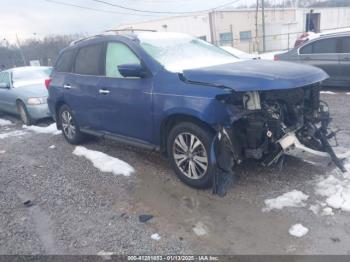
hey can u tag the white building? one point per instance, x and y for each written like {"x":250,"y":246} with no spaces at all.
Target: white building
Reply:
{"x":242,"y":28}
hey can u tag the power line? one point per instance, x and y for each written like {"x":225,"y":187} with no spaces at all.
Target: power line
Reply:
{"x":93,"y":9}
{"x":163,"y":12}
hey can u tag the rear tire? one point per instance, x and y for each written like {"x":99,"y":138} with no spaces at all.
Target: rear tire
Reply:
{"x":23,"y":113}
{"x":188,"y":148}
{"x":70,"y":127}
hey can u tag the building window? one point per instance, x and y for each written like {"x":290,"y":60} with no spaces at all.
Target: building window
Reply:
{"x":225,"y":39}
{"x":203,"y":37}
{"x":245,"y":35}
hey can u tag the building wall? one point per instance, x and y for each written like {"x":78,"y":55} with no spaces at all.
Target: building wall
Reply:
{"x":238,"y":27}
{"x":196,"y":25}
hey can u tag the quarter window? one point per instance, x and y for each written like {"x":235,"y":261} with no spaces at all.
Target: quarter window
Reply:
{"x":88,"y":60}
{"x":118,"y":54}
{"x":5,"y":78}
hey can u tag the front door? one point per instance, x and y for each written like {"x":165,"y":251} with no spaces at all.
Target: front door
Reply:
{"x":125,"y":103}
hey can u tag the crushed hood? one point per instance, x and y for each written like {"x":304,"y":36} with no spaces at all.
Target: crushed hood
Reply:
{"x":256,"y":75}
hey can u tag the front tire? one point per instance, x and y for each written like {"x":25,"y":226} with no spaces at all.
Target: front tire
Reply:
{"x":23,"y":113}
{"x":189,"y":152}
{"x":70,"y":128}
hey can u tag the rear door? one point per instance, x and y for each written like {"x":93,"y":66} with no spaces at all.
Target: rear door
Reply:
{"x":345,"y":61}
{"x":81,"y":87}
{"x":323,"y":53}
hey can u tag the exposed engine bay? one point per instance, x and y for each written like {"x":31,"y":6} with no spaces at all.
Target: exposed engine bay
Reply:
{"x":267,"y":125}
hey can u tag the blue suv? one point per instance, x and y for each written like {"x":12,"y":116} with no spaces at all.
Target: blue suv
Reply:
{"x":199,"y":105}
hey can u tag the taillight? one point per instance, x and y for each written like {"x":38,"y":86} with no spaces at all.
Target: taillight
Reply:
{"x":48,"y":82}
{"x":276,"y":58}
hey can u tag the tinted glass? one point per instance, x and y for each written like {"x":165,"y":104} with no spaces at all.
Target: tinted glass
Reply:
{"x":346,"y":45}
{"x":64,"y":64}
{"x":118,"y":54}
{"x":325,"y":46}
{"x":306,"y":49}
{"x":88,"y":60}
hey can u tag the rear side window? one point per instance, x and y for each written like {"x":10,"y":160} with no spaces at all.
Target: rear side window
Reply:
{"x":118,"y":54}
{"x":345,"y":45}
{"x":64,"y":63}
{"x":88,"y":60}
{"x":325,"y":46}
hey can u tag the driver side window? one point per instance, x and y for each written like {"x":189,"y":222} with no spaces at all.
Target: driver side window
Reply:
{"x":118,"y":54}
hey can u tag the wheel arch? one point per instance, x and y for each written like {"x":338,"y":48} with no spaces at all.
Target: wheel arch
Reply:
{"x":58,"y":105}
{"x":172,"y":120}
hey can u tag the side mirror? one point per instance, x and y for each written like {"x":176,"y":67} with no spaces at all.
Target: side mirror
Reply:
{"x":5,"y":85}
{"x":132,"y":70}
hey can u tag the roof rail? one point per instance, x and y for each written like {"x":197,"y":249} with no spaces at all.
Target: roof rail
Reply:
{"x":116,"y":31}
{"x":109,"y":32}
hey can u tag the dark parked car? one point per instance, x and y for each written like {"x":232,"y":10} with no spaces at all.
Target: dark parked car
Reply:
{"x":202,"y":107}
{"x":329,"y":52}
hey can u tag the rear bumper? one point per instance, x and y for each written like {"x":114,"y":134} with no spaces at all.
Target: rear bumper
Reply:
{"x":39,"y":111}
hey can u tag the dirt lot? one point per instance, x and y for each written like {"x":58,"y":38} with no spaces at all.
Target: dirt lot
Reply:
{"x":79,"y":210}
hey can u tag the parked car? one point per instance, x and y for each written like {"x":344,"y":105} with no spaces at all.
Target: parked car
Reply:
{"x":329,"y":52}
{"x":200,"y":106}
{"x":23,"y":92}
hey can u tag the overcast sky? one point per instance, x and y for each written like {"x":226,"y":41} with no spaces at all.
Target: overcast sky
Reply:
{"x":40,"y":17}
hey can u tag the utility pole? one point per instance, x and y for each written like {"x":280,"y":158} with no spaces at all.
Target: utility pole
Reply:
{"x":263,"y":24}
{"x":256,"y":49}
{"x":21,"y":51}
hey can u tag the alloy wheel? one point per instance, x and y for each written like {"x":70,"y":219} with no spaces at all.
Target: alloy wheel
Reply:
{"x":190,"y":155}
{"x":68,"y":126}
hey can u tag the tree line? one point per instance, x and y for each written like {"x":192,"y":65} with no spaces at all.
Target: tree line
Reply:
{"x":43,"y":50}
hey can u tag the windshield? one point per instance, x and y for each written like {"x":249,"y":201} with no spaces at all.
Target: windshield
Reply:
{"x":30,"y":74}
{"x":178,"y":52}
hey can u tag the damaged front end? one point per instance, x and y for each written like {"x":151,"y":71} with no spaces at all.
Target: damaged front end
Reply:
{"x":268,"y":125}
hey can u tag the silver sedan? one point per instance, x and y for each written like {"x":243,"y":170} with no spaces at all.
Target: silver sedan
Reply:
{"x":23,"y":92}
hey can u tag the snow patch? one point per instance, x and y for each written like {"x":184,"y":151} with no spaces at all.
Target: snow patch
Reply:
{"x":4,"y":122}
{"x":104,"y":162}
{"x":298,"y":230}
{"x":12,"y":134}
{"x":52,"y":147}
{"x":327,"y":211}
{"x":348,"y":93}
{"x":51,"y":129}
{"x":328,"y":93}
{"x":200,"y":229}
{"x":336,"y":190}
{"x":2,"y":152}
{"x":156,"y":237}
{"x":294,"y":198}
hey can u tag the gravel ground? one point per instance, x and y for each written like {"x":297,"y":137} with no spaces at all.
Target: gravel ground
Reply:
{"x":79,"y":210}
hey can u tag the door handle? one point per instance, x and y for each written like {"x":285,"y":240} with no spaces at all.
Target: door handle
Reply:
{"x":67,"y":86}
{"x":103,"y":92}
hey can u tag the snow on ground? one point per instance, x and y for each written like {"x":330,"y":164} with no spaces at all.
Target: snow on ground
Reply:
{"x":200,"y":229}
{"x":52,"y":147}
{"x":4,"y":122}
{"x":298,"y":230}
{"x":328,"y":93}
{"x":106,"y":255}
{"x":12,"y":134}
{"x":293,"y":198}
{"x":51,"y":129}
{"x":336,"y":190}
{"x":156,"y":237}
{"x":104,"y":162}
{"x":2,"y":152}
